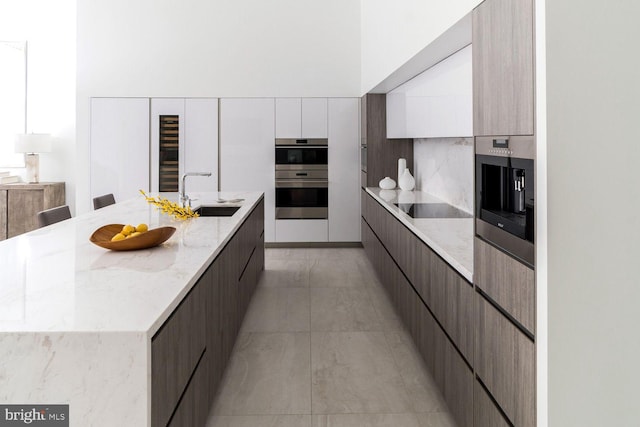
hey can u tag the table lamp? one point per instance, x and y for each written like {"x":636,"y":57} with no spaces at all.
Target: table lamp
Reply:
{"x":31,"y":144}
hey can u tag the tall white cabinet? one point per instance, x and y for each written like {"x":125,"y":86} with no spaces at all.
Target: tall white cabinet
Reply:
{"x":197,"y":139}
{"x":247,"y":151}
{"x":119,"y":147}
{"x":344,"y":169}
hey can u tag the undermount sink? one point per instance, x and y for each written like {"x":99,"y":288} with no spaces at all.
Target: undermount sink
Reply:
{"x":217,"y":210}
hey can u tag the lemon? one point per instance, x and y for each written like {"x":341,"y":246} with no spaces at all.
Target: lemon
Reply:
{"x":134,"y":234}
{"x":118,"y":237}
{"x":142,"y":228}
{"x":127,"y":229}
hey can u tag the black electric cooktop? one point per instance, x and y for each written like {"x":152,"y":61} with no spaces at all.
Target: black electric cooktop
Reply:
{"x":431,"y":210}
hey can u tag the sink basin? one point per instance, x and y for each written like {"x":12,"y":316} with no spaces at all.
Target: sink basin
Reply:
{"x":217,"y":210}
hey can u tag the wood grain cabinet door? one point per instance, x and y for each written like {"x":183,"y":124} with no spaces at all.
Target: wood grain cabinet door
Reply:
{"x":506,"y":281}
{"x":485,"y":412}
{"x":505,"y":363}
{"x":503,"y":92}
{"x":176,"y":350}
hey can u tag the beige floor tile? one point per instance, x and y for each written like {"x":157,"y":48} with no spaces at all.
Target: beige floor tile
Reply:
{"x":436,"y":419}
{"x":419,"y":382}
{"x":365,"y":420}
{"x":342,"y":309}
{"x":279,"y":273}
{"x":269,"y":373}
{"x":278,"y":310}
{"x":354,"y":372}
{"x":342,"y":272}
{"x":389,"y":319}
{"x":285,"y":254}
{"x":260,"y":421}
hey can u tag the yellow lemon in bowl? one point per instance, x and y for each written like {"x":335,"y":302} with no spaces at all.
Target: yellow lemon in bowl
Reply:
{"x":118,"y":237}
{"x":128,"y":229}
{"x":142,"y":228}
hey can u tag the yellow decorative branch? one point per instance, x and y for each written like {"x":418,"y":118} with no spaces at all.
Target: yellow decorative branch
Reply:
{"x":168,"y":207}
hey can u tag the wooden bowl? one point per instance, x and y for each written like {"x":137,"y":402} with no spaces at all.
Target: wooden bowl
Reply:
{"x":102,"y":237}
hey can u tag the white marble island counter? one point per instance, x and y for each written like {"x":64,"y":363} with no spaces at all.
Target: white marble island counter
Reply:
{"x":76,"y":320}
{"x":451,"y":238}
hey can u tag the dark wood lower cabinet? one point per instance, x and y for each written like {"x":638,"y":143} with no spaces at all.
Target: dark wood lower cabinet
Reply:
{"x":450,"y":370}
{"x":175,"y":352}
{"x":457,"y":329}
{"x":505,"y":362}
{"x":190,"y":351}
{"x":485,"y":412}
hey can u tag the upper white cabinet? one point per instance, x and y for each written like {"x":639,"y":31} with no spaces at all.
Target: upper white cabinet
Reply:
{"x":314,"y":118}
{"x":344,"y":170}
{"x":184,"y":138}
{"x":436,"y":103}
{"x":301,"y":117}
{"x":247,"y":151}
{"x":201,"y":142}
{"x":119,"y":147}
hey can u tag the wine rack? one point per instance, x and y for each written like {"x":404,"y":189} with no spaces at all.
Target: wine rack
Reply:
{"x":169,"y":143}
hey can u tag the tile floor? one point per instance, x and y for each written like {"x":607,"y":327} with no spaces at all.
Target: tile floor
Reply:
{"x":321,"y":346}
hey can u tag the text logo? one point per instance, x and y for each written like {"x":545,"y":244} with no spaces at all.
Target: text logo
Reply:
{"x":34,"y":415}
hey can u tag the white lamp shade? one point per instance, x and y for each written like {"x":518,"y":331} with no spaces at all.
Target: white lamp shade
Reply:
{"x":33,"y":143}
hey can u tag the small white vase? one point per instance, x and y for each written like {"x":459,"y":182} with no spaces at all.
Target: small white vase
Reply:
{"x":407,"y":182}
{"x":387,"y":183}
{"x":402,"y":165}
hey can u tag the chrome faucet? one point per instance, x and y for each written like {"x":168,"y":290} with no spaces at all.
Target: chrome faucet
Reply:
{"x":184,"y":199}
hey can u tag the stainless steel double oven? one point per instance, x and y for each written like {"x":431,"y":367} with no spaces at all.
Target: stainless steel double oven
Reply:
{"x":302,"y":179}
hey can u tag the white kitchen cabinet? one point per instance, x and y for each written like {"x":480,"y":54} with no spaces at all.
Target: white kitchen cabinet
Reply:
{"x":247,"y":151}
{"x":201,"y":142}
{"x":197,"y":134}
{"x":437,"y":103}
{"x":302,"y":230}
{"x":119,"y":147}
{"x":314,"y":118}
{"x":301,"y":117}
{"x":288,"y":118}
{"x":344,"y":170}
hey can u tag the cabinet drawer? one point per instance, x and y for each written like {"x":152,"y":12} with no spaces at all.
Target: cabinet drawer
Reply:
{"x":363,"y":204}
{"x":508,"y":282}
{"x":194,"y":406}
{"x":175,"y":351}
{"x":458,"y":386}
{"x":451,"y":300}
{"x":505,"y":362}
{"x":485,"y":412}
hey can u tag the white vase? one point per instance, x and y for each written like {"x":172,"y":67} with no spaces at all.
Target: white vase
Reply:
{"x":387,"y":183}
{"x":402,"y":165}
{"x":406,"y":181}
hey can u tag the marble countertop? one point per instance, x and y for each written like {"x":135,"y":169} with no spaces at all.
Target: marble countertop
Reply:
{"x":54,"y":280}
{"x":451,"y":238}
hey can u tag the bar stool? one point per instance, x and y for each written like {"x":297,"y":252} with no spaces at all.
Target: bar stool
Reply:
{"x":53,"y":215}
{"x":102,"y":201}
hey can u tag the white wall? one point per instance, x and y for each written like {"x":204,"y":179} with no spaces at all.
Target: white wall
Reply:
{"x":51,"y":78}
{"x":393,"y":32}
{"x":593,"y":148}
{"x":221,"y":48}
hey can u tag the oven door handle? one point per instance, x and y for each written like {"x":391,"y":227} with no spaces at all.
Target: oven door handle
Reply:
{"x":302,"y":183}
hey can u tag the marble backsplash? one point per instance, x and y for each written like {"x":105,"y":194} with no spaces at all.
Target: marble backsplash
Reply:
{"x":444,"y":167}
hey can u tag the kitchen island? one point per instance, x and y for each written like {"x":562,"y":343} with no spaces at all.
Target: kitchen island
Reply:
{"x":127,"y":338}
